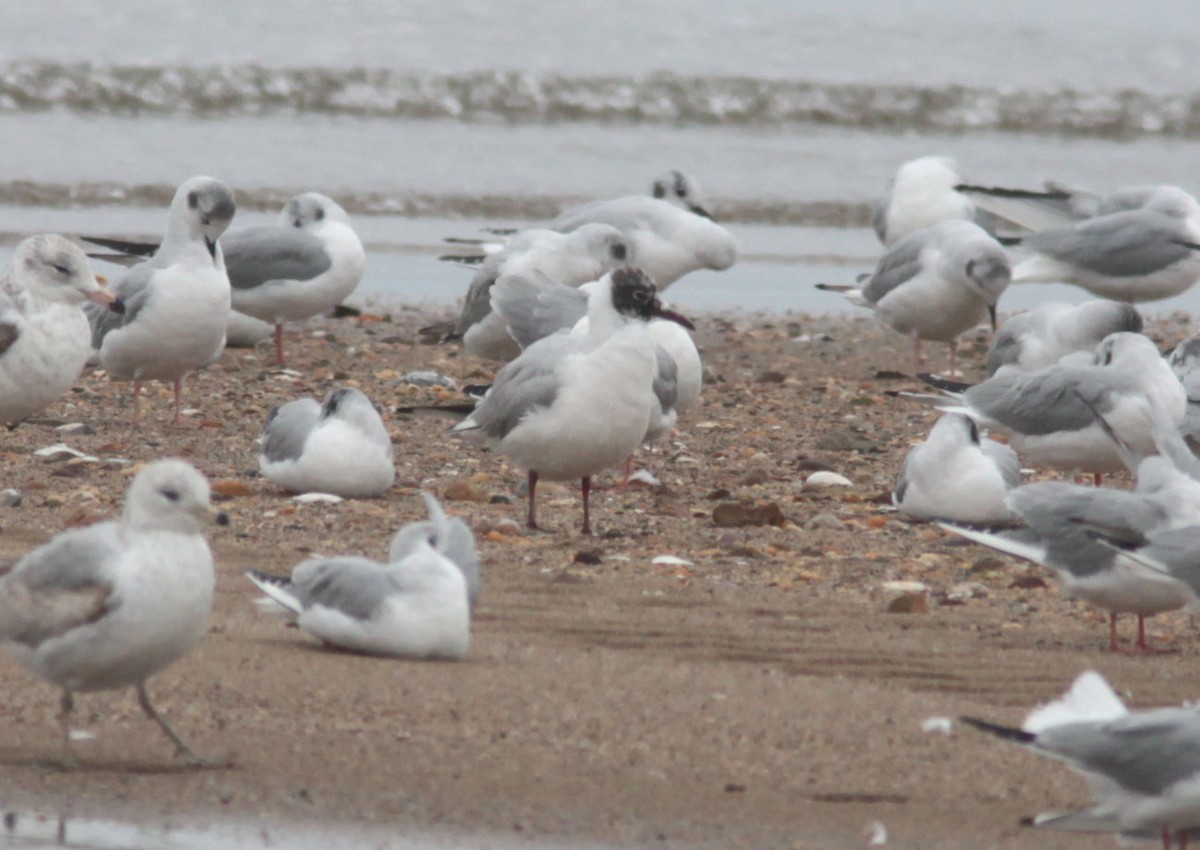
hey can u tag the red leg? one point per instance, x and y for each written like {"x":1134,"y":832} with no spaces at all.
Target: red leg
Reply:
{"x":1097,"y":479}
{"x":137,"y":402}
{"x":586,"y":486}
{"x":918,"y":356}
{"x":1112,"y":633}
{"x":178,"y":392}
{"x":1166,"y":837}
{"x":953,"y":358}
{"x":532,"y":520}
{"x":279,"y":344}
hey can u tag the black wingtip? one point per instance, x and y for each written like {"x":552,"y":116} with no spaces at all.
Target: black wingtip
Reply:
{"x":1008,"y":733}
{"x":117,"y":306}
{"x":944,"y":383}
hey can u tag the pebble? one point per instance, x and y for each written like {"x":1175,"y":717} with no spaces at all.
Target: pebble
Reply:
{"x":742,"y":514}
{"x":463,"y":490}
{"x":10,"y":498}
{"x":317,"y":498}
{"x":826,"y":521}
{"x":826,"y":478}
{"x":909,"y":603}
{"x":60,"y":452}
{"x":80,"y":428}
{"x":429,"y":379}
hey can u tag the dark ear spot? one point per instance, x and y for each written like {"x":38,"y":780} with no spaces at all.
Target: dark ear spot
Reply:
{"x":320,"y":213}
{"x":660,"y":189}
{"x":680,"y":184}
{"x":973,"y":430}
{"x":193,"y":200}
{"x":618,"y":252}
{"x":970,"y":268}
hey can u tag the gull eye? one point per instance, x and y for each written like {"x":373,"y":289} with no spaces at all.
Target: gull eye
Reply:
{"x":193,"y":200}
{"x":170,"y":494}
{"x":63,"y":270}
{"x":320,"y":214}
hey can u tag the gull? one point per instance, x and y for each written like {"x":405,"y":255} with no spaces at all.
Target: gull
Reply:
{"x":957,"y":475}
{"x":1136,"y":254}
{"x":307,"y":263}
{"x":1049,"y":414}
{"x":1081,"y":532}
{"x":923,"y":193}
{"x":177,"y":302}
{"x":680,"y":188}
{"x":570,"y":406}
{"x":569,"y":258}
{"x":338,"y":446}
{"x":1143,"y":767}
{"x":1058,"y":205}
{"x":1185,"y":363}
{"x":534,"y":308}
{"x":418,"y":605}
{"x":667,"y":241}
{"x":935,"y":284}
{"x":44,"y":334}
{"x":109,"y":605}
{"x":1043,"y":336}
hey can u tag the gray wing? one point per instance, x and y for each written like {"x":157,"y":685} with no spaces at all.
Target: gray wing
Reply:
{"x":1005,"y":348}
{"x":1043,"y":402}
{"x":1005,"y":459}
{"x":1123,"y":244}
{"x":60,"y":586}
{"x":536,"y":308}
{"x":10,"y":323}
{"x":257,"y":255}
{"x":666,"y":379}
{"x":478,"y":303}
{"x":356,"y":587}
{"x":1145,"y":753}
{"x":134,"y":291}
{"x":530,"y":382}
{"x":899,"y":265}
{"x":879,"y":217}
{"x":1065,"y":518}
{"x":1176,"y":550}
{"x":288,"y":426}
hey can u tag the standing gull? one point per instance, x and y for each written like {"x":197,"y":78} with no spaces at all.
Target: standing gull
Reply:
{"x":339,"y":446}
{"x":935,"y":284}
{"x":418,"y":605}
{"x":44,"y":334}
{"x":957,"y":475}
{"x":571,"y":406}
{"x":177,"y":302}
{"x":1143,"y":767}
{"x":110,"y":605}
{"x":1043,"y":336}
{"x":308,"y":263}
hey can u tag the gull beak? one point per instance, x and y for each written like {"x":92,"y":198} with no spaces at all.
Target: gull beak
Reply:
{"x":992,"y":316}
{"x":103,"y":297}
{"x":700,"y":211}
{"x":672,"y":316}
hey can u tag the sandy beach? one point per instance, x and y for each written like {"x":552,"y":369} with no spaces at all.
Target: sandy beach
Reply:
{"x":758,"y":689}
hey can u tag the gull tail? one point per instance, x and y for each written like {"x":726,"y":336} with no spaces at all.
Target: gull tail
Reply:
{"x":1027,"y":548}
{"x":853,"y":294}
{"x":277,"y":589}
{"x":1090,"y":698}
{"x":469,"y":261}
{"x":1083,"y":820}
{"x":1008,"y":733}
{"x":449,"y":411}
{"x":944,"y":384}
{"x":123,"y":246}
{"x":1031,"y":210}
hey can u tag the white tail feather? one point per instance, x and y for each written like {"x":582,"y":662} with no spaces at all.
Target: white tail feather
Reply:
{"x":1089,"y":698}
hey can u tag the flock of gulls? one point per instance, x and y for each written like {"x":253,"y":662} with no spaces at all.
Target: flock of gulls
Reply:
{"x":595,"y":365}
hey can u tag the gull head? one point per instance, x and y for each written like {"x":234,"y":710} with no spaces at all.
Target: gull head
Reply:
{"x":351,"y":406}
{"x":52,"y":268}
{"x":634,"y":296}
{"x":988,"y":273}
{"x":607,"y":245}
{"x":207,"y":206}
{"x":170,"y":495}
{"x":1125,"y":348}
{"x":312,"y":209}
{"x":680,"y":189}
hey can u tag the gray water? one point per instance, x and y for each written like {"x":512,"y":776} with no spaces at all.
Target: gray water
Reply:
{"x":428,"y":119}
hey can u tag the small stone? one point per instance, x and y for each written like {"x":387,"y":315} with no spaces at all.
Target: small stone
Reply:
{"x":1028,"y":582}
{"x":825,"y":478}
{"x":825,"y":521}
{"x":966,"y":590}
{"x":429,"y":378}
{"x":909,"y":603}
{"x":718,"y":494}
{"x":500,"y":499}
{"x":770,"y":376}
{"x":231,"y":488}
{"x":845,"y":441}
{"x":10,"y":498}
{"x":742,"y":514}
{"x":462,"y":490}
{"x":755,"y":478}
{"x":590,"y":557}
{"x":79,"y":428}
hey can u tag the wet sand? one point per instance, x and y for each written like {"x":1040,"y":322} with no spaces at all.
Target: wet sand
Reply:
{"x":762,"y":695}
